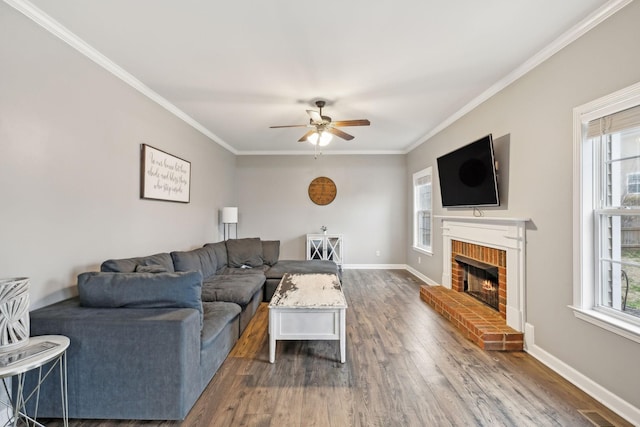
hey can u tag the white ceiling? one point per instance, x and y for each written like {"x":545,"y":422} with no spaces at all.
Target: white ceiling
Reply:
{"x":234,"y":68}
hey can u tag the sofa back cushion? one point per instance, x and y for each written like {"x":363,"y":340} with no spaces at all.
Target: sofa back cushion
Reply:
{"x":156,"y":262}
{"x":141,"y":290}
{"x":201,"y":259}
{"x":220,"y":249}
{"x":244,"y":252}
{"x":270,"y":251}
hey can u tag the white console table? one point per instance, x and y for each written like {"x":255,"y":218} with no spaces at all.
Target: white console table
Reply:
{"x":326,"y":246}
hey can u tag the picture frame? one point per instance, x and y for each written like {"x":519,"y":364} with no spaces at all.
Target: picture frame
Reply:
{"x":164,"y":176}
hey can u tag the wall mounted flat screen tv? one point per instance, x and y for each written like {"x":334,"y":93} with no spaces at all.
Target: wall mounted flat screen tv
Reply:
{"x":468,"y":175}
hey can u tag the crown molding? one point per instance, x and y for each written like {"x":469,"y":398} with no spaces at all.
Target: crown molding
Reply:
{"x":577,"y":31}
{"x":54,"y":27}
{"x":57,"y":29}
{"x":322,"y":153}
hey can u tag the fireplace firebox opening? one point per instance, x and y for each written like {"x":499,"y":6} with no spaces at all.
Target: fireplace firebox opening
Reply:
{"x":480,"y":280}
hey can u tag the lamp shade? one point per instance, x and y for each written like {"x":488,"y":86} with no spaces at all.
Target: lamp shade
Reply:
{"x":230,"y":215}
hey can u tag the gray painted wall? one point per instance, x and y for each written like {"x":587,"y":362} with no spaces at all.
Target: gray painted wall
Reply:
{"x":369,"y":209}
{"x":69,"y":175}
{"x":533,"y":117}
{"x":70,"y":135}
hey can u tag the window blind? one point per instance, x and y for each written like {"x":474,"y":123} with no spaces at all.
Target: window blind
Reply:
{"x":616,"y":122}
{"x":423,"y":180}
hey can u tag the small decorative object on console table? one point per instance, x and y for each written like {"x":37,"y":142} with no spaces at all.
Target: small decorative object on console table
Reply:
{"x":326,"y":246}
{"x":14,"y":313}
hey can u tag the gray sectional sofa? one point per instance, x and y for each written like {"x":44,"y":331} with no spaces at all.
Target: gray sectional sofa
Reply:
{"x":148,"y":333}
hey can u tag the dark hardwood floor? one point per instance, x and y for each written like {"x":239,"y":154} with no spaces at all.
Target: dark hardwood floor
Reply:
{"x":406,"y":366}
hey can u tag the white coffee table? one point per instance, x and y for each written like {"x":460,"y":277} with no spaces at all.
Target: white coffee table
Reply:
{"x":308,"y":307}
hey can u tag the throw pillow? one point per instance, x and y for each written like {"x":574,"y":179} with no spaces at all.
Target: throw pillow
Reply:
{"x":154,"y":268}
{"x":128,"y":265}
{"x":244,"y":252}
{"x":220,"y":250}
{"x":141,"y":290}
{"x":201,"y":259}
{"x":270,"y":251}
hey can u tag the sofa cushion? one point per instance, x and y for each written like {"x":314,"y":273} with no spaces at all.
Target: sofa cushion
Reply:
{"x":230,"y":271}
{"x":239,"y":289}
{"x":301,"y":267}
{"x":128,"y":265}
{"x":270,"y":251}
{"x":246,"y":251}
{"x":216,"y":316}
{"x":202,"y":260}
{"x":220,"y":249}
{"x":141,"y":290}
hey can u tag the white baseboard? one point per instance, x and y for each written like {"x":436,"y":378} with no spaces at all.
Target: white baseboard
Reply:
{"x":374,"y":266}
{"x":421,"y":276}
{"x":586,"y":384}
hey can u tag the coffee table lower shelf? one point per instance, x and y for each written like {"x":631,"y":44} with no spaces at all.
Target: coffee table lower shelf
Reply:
{"x":307,"y":324}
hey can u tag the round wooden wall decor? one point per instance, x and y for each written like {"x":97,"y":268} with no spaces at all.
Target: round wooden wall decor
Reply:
{"x":322,"y":190}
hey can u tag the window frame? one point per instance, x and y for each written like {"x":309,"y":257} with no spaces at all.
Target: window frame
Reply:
{"x":425,"y":249}
{"x":585,"y":230}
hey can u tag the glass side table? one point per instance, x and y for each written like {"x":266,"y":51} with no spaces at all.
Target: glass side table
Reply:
{"x":16,"y":363}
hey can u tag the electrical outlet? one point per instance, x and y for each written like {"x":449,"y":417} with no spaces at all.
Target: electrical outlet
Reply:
{"x":419,"y":260}
{"x":377,"y":253}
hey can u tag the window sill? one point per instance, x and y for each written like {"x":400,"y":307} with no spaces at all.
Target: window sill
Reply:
{"x":610,"y":323}
{"x":422,"y":251}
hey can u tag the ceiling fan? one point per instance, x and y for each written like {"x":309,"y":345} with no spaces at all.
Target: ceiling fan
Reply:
{"x":323,"y":128}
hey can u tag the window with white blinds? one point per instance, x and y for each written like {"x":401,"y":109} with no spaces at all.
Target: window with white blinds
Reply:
{"x":616,"y":122}
{"x":607,"y":212}
{"x":422,"y":210}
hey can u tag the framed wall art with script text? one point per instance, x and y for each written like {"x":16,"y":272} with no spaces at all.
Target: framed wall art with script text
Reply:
{"x":163,"y":176}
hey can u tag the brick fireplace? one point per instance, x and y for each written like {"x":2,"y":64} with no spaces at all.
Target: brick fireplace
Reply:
{"x":490,"y":253}
{"x":467,"y":257}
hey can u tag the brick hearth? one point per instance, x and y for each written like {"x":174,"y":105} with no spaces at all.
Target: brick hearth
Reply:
{"x":477,"y":322}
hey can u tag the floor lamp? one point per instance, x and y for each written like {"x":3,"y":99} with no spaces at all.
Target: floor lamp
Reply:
{"x":229,"y":216}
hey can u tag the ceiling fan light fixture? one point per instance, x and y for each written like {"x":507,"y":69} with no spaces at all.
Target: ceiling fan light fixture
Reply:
{"x":322,"y":128}
{"x":320,"y":138}
{"x":313,"y":138}
{"x":325,"y":139}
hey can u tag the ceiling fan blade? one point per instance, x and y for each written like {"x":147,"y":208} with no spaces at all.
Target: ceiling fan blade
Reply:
{"x":360,"y":122}
{"x":288,"y":126}
{"x":315,"y":116}
{"x":306,"y":135}
{"x":338,"y":132}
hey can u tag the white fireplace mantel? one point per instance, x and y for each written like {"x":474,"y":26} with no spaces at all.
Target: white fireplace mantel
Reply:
{"x":507,"y":234}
